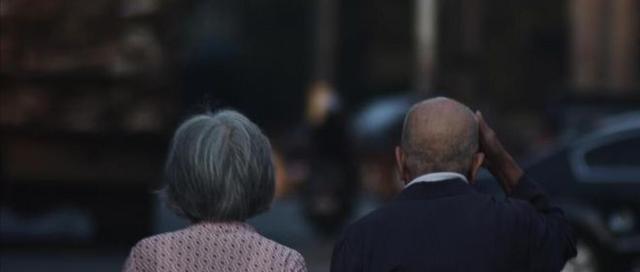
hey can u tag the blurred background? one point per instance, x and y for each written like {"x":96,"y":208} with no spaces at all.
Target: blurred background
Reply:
{"x":92,"y":90}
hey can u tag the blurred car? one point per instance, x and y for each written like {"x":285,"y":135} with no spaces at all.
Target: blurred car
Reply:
{"x":596,"y":180}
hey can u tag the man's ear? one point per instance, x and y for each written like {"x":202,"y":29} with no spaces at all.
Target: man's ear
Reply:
{"x":476,"y":164}
{"x":400,"y":163}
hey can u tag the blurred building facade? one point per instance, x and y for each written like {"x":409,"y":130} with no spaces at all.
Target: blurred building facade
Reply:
{"x":85,"y":108}
{"x":91,"y":89}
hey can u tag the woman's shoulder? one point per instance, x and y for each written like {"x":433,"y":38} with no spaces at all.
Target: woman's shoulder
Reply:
{"x":159,"y":241}
{"x":289,"y":257}
{"x":159,"y":238}
{"x":278,"y":247}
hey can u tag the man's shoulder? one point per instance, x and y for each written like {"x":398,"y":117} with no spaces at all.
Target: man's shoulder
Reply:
{"x":381,"y":217}
{"x":375,"y":216}
{"x":366,"y":223}
{"x":390,"y":212}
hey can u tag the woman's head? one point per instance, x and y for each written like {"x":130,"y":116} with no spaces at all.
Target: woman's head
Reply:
{"x":219,"y":168}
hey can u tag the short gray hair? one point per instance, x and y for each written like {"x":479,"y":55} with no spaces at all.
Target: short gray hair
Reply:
{"x":448,"y":146}
{"x":451,"y":154}
{"x":219,"y":168}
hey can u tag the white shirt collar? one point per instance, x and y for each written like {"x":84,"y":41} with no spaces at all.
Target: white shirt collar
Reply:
{"x":437,"y":176}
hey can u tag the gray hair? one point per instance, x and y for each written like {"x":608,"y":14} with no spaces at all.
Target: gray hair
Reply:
{"x":439,"y":134}
{"x":219,"y":168}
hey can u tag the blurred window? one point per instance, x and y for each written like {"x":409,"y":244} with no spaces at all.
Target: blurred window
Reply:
{"x":622,"y":153}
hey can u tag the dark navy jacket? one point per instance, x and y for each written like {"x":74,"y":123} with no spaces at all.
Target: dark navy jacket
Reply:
{"x":448,"y":226}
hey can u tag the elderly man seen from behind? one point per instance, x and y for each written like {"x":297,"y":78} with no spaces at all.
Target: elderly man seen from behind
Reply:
{"x":439,"y":222}
{"x":219,"y":172}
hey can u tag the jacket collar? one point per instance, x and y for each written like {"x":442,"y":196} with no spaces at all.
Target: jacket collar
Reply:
{"x":431,"y":190}
{"x":436,"y":177}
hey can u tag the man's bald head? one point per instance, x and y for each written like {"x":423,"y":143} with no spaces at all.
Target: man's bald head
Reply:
{"x":439,"y":134}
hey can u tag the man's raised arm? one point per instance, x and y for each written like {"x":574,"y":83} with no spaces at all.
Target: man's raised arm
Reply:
{"x":551,"y":239}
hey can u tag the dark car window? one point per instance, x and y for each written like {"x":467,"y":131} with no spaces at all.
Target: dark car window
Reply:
{"x":622,"y":153}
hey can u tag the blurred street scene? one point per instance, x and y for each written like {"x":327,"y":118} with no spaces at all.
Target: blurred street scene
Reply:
{"x":90,"y":92}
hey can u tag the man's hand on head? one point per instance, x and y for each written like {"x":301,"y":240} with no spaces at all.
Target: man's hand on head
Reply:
{"x":497,"y":160}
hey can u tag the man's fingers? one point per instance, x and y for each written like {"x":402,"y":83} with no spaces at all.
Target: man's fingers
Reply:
{"x":488,"y":141}
{"x":481,"y":122}
{"x":485,"y":129}
{"x":482,"y":125}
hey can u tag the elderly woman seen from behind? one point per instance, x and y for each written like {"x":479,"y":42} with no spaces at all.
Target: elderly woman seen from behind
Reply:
{"x":219,"y":173}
